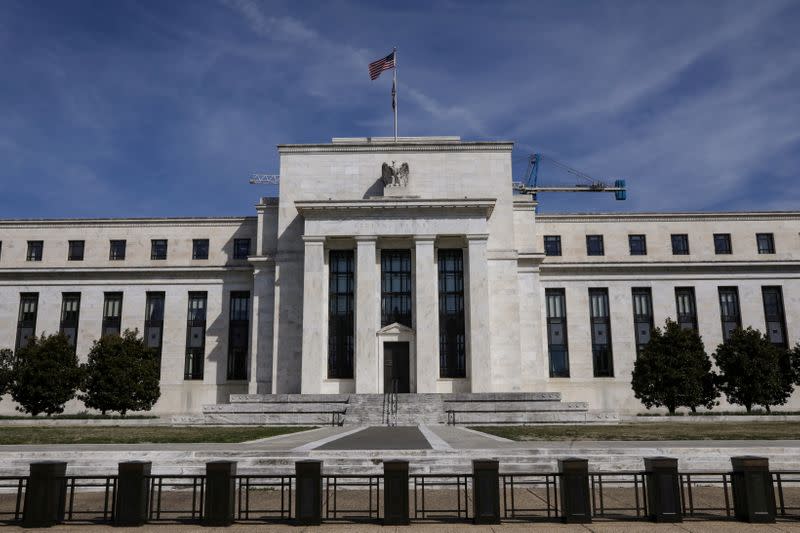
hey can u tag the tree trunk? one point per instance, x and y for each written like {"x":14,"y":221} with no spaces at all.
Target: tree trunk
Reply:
{"x":749,"y":407}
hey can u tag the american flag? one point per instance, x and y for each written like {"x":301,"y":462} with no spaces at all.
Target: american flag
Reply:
{"x":384,"y":63}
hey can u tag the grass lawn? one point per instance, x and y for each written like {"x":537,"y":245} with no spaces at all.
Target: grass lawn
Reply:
{"x":652,"y":431}
{"x":136,"y":434}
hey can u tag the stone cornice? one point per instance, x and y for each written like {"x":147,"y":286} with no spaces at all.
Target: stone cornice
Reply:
{"x":671,"y":267}
{"x":484,"y":206}
{"x":123,"y":222}
{"x":398,"y":147}
{"x":101,"y":272}
{"x":670,"y":217}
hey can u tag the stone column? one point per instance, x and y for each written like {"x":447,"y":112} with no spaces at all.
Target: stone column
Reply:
{"x":314,"y":306}
{"x":477,"y":314}
{"x":262,"y":326}
{"x":367,"y":373}
{"x":426,"y":313}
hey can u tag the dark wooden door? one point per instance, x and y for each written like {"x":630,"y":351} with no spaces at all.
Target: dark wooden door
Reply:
{"x":395,"y":367}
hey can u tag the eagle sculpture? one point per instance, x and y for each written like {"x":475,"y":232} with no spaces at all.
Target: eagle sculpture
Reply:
{"x":393,"y":176}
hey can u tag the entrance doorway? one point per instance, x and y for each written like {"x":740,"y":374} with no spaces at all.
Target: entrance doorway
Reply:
{"x":396,"y":367}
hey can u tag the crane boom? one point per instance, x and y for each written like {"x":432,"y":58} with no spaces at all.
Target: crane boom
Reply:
{"x":531,"y":184}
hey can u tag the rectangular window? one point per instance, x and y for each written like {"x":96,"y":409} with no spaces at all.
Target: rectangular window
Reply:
{"x":158,"y":249}
{"x":75,"y":251}
{"x":34,"y":251}
{"x":594,"y":245}
{"x":722,"y":243}
{"x":557,"y":333}
{"x":642,"y":316}
{"x":602,"y":357}
{"x":199,"y":248}
{"x":70,"y":315}
{"x":238,"y":334}
{"x":552,"y":245}
{"x":112,"y":313}
{"x":452,"y":328}
{"x":154,"y":322}
{"x":774,"y":315}
{"x":241,"y":248}
{"x":1,"y":249}
{"x":766,"y":243}
{"x":396,"y":287}
{"x":341,"y":323}
{"x":26,"y":323}
{"x":195,"y":336}
{"x":687,"y":308}
{"x":117,"y":250}
{"x":729,"y":310}
{"x":637,"y":244}
{"x":680,"y":244}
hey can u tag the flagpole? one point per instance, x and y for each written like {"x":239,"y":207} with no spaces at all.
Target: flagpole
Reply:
{"x":394,"y":82}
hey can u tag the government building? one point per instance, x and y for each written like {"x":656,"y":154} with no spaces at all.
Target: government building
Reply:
{"x":408,"y":266}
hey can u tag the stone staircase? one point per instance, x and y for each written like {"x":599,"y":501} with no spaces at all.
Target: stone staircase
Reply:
{"x":412,"y":409}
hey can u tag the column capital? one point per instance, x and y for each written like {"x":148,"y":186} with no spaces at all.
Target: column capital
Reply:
{"x":424,"y":238}
{"x":365,"y":238}
{"x":477,"y":236}
{"x":314,"y":239}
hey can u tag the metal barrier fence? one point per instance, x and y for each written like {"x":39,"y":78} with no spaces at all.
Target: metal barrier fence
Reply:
{"x":134,"y":496}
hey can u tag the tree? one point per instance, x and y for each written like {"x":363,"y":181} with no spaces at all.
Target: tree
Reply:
{"x":793,"y":362}
{"x":121,"y":375}
{"x":6,"y":373}
{"x":753,"y":371}
{"x":46,"y":375}
{"x":673,"y":370}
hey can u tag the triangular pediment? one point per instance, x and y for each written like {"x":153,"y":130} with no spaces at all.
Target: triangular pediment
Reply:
{"x":394,"y":328}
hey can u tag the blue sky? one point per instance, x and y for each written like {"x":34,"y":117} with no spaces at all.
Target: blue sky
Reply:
{"x":154,"y":108}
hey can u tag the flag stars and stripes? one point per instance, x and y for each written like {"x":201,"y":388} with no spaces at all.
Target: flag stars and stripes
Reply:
{"x":384,"y":63}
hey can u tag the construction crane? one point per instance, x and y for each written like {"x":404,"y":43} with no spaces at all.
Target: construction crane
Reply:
{"x":531,"y":184}
{"x":265,"y":179}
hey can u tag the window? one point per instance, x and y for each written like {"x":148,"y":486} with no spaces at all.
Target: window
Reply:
{"x":594,"y":245}
{"x":341,"y":324}
{"x":34,"y":251}
{"x":452,"y":328}
{"x":117,"y":250}
{"x":75,"y":251}
{"x":70,"y":314}
{"x":729,"y":310}
{"x":239,"y":331}
{"x":154,"y":323}
{"x":687,"y":309}
{"x":241,"y":248}
{"x":26,"y":323}
{"x":766,"y":243}
{"x":158,"y":249}
{"x":637,"y":244}
{"x":601,"y":333}
{"x":642,"y":316}
{"x":195,"y":336}
{"x":1,"y":249}
{"x":552,"y":244}
{"x":396,"y":287}
{"x":774,"y":314}
{"x":680,"y":244}
{"x":112,"y":313}
{"x":722,"y":243}
{"x":199,"y":248}
{"x":557,"y":333}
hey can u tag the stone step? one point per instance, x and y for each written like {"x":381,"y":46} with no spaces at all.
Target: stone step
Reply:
{"x":274,"y":419}
{"x":246,"y":408}
{"x":506,"y":406}
{"x":289,"y":398}
{"x":502,"y":397}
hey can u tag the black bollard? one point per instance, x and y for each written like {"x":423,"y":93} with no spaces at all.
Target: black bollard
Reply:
{"x":753,"y":492}
{"x":486,"y":492}
{"x":308,"y":493}
{"x":576,"y":507}
{"x":45,"y":494}
{"x":663,"y":489}
{"x":220,"y":499}
{"x":132,"y":494}
{"x":395,"y":496}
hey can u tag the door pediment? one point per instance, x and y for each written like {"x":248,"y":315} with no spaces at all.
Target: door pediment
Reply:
{"x":395,"y":329}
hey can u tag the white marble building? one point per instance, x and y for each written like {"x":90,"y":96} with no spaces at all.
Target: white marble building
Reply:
{"x":444,"y":282}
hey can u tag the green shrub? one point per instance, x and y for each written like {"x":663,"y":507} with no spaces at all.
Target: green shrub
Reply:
{"x":121,"y":375}
{"x":45,"y":375}
{"x":6,"y":373}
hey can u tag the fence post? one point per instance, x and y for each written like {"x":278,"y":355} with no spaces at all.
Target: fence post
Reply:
{"x":576,"y":506}
{"x":132,"y":494}
{"x":753,"y":493}
{"x":45,"y":494}
{"x":486,"y":492}
{"x":395,"y":496}
{"x":308,"y":493}
{"x":663,"y":489}
{"x":220,"y":497}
